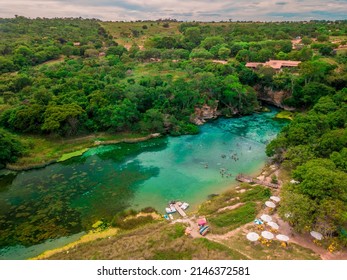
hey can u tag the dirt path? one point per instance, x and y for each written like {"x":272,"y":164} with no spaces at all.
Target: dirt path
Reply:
{"x":306,"y":241}
{"x":225,"y":236}
{"x":232,"y":207}
{"x":80,"y":139}
{"x":220,"y":237}
{"x":192,"y":224}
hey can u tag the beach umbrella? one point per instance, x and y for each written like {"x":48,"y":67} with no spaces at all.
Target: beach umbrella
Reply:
{"x":273,"y":225}
{"x":282,"y":237}
{"x":266,"y":218}
{"x":275,"y":198}
{"x":267,"y":235}
{"x":252,"y":236}
{"x":316,"y":235}
{"x":270,"y":204}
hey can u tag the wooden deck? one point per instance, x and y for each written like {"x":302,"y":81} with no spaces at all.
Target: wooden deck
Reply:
{"x":249,"y":179}
{"x":180,"y":210}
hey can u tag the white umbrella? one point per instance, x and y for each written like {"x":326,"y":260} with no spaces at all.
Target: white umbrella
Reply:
{"x":316,"y":235}
{"x":266,"y":218}
{"x":267,"y":235}
{"x":270,"y":204}
{"x":282,"y":237}
{"x":273,"y":225}
{"x":252,"y":236}
{"x":275,"y":198}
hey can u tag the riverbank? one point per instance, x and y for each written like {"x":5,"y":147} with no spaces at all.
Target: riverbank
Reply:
{"x":167,"y":240}
{"x":93,"y":235}
{"x":89,"y":237}
{"x":45,"y":151}
{"x":227,"y":239}
{"x":109,"y":179}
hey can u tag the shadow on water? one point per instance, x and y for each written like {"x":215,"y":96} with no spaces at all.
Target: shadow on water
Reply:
{"x":68,"y":197}
{"x":6,"y":181}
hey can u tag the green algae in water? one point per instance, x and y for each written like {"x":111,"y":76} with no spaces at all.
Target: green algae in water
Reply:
{"x":109,"y":179}
{"x":72,"y":154}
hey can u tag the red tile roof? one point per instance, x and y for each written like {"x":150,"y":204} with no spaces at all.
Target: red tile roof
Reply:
{"x":253,"y":64}
{"x":275,"y":64}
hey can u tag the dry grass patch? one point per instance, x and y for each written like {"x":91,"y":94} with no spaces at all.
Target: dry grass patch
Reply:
{"x":160,"y":241}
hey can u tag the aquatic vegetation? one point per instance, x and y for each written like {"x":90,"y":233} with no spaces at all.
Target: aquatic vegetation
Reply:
{"x":289,"y":115}
{"x":72,"y":154}
{"x":69,"y":197}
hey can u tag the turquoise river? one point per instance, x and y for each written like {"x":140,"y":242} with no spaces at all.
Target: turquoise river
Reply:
{"x":47,"y":208}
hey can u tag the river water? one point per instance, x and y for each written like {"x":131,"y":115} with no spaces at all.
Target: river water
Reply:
{"x":49,"y":207}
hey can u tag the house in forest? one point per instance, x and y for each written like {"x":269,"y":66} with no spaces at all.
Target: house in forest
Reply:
{"x":274,"y":64}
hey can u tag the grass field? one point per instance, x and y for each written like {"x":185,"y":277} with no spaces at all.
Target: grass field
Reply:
{"x":232,"y":197}
{"x":234,"y":219}
{"x":161,"y":69}
{"x":123,"y":34}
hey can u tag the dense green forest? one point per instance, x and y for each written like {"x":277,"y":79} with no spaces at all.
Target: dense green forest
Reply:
{"x":70,"y":77}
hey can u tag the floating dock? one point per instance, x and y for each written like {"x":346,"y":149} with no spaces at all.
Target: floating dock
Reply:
{"x":180,"y":210}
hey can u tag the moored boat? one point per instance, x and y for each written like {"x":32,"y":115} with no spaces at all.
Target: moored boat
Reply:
{"x":184,"y":206}
{"x":171,"y":209}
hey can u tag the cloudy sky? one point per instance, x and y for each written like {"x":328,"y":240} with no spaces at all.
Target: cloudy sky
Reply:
{"x":204,"y":10}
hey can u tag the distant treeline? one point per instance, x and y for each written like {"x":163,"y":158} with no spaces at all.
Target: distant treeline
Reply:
{"x":70,"y":76}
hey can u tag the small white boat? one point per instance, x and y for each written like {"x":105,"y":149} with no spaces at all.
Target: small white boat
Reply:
{"x":184,"y":205}
{"x":170,"y":209}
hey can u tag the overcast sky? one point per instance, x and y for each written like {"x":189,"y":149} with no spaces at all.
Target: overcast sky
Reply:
{"x":202,"y":10}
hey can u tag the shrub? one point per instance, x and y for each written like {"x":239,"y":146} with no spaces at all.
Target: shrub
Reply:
{"x":274,"y":179}
{"x":178,"y":231}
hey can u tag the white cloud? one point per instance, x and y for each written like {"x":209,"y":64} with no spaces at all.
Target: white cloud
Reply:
{"x":180,"y":9}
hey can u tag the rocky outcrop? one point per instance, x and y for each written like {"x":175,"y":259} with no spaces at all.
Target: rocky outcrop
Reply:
{"x":275,"y":97}
{"x":204,"y":113}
